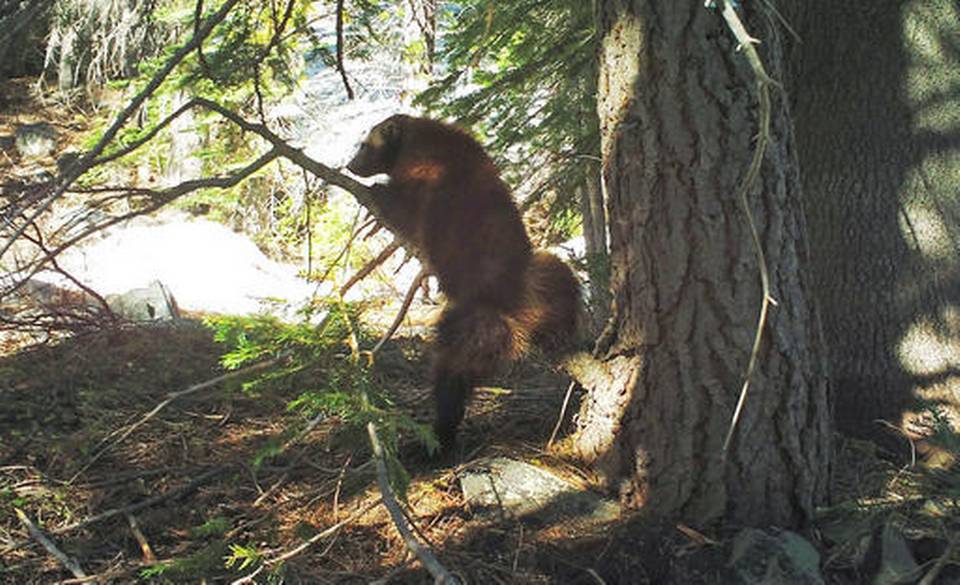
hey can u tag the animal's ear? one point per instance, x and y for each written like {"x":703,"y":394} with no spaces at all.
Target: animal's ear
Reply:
{"x":391,"y":129}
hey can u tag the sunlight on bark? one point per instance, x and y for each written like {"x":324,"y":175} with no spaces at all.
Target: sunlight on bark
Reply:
{"x":930,"y":348}
{"x":932,"y":66}
{"x":926,"y":229}
{"x":622,"y":53}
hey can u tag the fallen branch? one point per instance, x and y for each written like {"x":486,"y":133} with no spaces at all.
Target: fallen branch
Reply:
{"x":324,"y":534}
{"x":130,"y":508}
{"x":249,"y":578}
{"x":441,"y":575}
{"x":402,"y":312}
{"x":38,"y":535}
{"x":172,"y":396}
{"x":148,"y":557}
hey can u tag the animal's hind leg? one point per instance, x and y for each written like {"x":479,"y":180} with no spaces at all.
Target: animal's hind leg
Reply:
{"x":472,"y":341}
{"x":450,"y":393}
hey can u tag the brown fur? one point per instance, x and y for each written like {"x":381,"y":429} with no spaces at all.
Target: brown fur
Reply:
{"x":446,"y":196}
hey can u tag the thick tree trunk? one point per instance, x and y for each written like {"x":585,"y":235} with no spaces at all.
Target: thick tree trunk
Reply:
{"x":874,"y":85}
{"x":678,"y":118}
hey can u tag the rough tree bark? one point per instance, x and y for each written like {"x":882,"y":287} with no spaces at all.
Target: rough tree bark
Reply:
{"x":678,"y":120}
{"x":874,"y":85}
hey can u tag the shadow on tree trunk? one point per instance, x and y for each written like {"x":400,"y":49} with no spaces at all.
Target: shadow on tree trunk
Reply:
{"x":872,"y":86}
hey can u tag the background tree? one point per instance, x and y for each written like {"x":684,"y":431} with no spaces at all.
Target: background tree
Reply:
{"x":23,"y":27}
{"x":678,"y":121}
{"x":875,"y":92}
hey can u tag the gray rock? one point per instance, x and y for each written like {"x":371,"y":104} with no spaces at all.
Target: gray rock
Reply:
{"x":897,"y":564}
{"x":506,"y":488}
{"x":35,"y":140}
{"x":774,"y":557}
{"x":153,"y":303}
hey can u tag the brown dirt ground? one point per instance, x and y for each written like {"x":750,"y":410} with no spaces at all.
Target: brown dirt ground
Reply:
{"x":61,"y":401}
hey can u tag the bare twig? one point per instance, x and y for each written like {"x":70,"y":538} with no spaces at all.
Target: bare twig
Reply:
{"x":109,"y":576}
{"x":516,"y":555}
{"x":38,"y":535}
{"x":931,"y":577}
{"x":354,"y":232}
{"x":38,"y":242}
{"x":336,"y":492}
{"x":340,"y":67}
{"x":370,"y":266}
{"x":307,"y":543}
{"x":563,"y":412}
{"x":172,"y":396}
{"x":286,"y":472}
{"x":764,"y":82}
{"x":197,"y":15}
{"x":440,"y":573}
{"x":402,"y":311}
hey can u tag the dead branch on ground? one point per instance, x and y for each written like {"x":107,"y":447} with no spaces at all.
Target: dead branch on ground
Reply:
{"x":130,"y":508}
{"x":307,"y":543}
{"x":148,"y":556}
{"x":440,"y":573}
{"x":170,"y":398}
{"x":38,"y":535}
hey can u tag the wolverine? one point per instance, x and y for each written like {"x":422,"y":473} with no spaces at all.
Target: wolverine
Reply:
{"x":446,"y":197}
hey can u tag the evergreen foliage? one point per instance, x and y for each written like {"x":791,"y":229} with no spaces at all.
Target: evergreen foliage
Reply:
{"x":522,"y":73}
{"x":330,"y":376}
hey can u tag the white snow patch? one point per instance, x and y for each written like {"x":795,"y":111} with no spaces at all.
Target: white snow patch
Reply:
{"x":206,"y":266}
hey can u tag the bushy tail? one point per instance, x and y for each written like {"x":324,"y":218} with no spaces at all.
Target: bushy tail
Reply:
{"x":475,"y":340}
{"x":553,"y":305}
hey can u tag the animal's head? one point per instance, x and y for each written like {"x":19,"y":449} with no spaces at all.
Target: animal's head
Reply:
{"x":380,"y":148}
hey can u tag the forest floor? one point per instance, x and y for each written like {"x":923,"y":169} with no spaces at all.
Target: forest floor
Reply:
{"x":62,"y":402}
{"x":193,"y":486}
